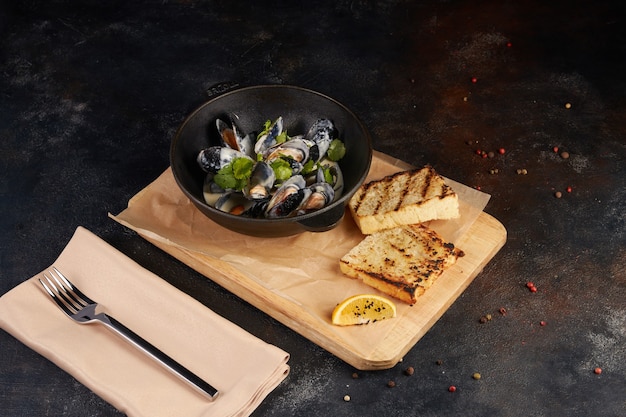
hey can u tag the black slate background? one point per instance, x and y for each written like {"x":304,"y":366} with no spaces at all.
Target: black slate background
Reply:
{"x":92,"y":92}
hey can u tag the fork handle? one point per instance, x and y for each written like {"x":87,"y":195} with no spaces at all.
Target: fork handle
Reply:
{"x":170,"y":364}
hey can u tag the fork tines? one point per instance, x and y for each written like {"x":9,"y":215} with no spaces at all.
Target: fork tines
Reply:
{"x":64,"y":293}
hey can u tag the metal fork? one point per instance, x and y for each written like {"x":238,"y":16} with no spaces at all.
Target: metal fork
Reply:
{"x":82,"y":309}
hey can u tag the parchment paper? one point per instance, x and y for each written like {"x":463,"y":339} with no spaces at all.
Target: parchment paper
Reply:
{"x":302,"y":269}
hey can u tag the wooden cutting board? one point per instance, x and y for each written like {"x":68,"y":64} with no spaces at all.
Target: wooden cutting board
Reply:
{"x":483,"y":240}
{"x":297,"y":280}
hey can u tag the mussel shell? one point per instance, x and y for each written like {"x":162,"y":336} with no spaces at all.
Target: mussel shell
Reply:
{"x":287,"y":197}
{"x":295,"y":149}
{"x":261,"y":181}
{"x":319,"y":196}
{"x":268,"y":140}
{"x":214,"y":158}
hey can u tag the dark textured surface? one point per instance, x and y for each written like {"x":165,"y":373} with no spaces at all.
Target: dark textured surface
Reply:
{"x":92,"y":92}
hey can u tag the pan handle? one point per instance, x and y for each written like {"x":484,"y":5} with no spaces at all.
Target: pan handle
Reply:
{"x":325,"y":221}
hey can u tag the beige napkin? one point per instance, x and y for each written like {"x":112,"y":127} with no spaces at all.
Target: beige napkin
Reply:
{"x":243,"y":368}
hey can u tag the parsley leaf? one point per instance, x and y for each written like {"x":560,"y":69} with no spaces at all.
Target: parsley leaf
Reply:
{"x":234,"y":175}
{"x":282,"y":169}
{"x":336,"y":150}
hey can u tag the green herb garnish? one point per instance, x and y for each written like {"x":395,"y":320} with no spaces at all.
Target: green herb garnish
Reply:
{"x":336,"y":150}
{"x":234,"y":175}
{"x":282,"y":169}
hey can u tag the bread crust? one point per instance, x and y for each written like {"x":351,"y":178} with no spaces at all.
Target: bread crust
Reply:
{"x":406,"y":197}
{"x":402,"y":262}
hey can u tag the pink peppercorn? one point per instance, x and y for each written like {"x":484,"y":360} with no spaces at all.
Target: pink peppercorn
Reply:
{"x":501,"y":151}
{"x":597,"y":371}
{"x":474,"y":80}
{"x":452,"y":388}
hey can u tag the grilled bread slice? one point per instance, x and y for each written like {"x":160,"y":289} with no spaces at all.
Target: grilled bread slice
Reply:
{"x":407,"y":197}
{"x":402,"y":262}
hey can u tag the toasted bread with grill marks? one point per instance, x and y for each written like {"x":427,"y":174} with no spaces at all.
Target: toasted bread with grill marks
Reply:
{"x":402,"y":262}
{"x":407,"y":197}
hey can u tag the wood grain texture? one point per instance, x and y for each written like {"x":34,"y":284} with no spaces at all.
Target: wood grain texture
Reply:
{"x":482,"y":241}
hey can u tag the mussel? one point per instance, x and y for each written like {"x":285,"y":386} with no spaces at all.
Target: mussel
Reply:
{"x":287,"y":197}
{"x":233,"y":138}
{"x":261,"y":181}
{"x":321,"y":133}
{"x":214,"y":158}
{"x":269,"y":139}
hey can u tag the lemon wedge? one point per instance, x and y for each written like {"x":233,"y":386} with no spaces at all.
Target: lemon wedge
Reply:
{"x":363,"y":309}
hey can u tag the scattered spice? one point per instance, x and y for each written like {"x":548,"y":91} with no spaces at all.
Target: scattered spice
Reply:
{"x":568,"y":105}
{"x":542,"y":323}
{"x":597,"y":371}
{"x":493,"y":171}
{"x":502,"y":311}
{"x":531,"y":287}
{"x":556,"y":149}
{"x":391,"y":384}
{"x":452,"y":388}
{"x":485,"y":318}
{"x":474,"y":80}
{"x":409,"y":371}
{"x":564,"y":154}
{"x":476,"y":376}
{"x":355,"y":375}
{"x":491,"y":154}
{"x":568,"y":189}
{"x":501,"y":151}
{"x":558,"y":194}
{"x":509,"y":44}
{"x":522,"y":171}
{"x":346,"y":398}
{"x":439,"y":362}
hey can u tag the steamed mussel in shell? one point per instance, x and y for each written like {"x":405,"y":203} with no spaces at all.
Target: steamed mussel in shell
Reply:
{"x":272,"y":174}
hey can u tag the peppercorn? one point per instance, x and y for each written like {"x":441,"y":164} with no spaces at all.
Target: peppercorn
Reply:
{"x":568,"y":105}
{"x":491,"y":154}
{"x":558,"y":194}
{"x":409,"y":371}
{"x":391,"y":384}
{"x":346,"y":398}
{"x":564,"y":154}
{"x":597,"y":371}
{"x":476,"y":376}
{"x":568,"y":189}
{"x":502,"y":311}
{"x":542,"y":323}
{"x":452,"y":388}
{"x":439,"y":362}
{"x":355,"y":375}
{"x":501,"y":151}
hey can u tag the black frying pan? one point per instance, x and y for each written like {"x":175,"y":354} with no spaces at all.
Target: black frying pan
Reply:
{"x":254,"y":105}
